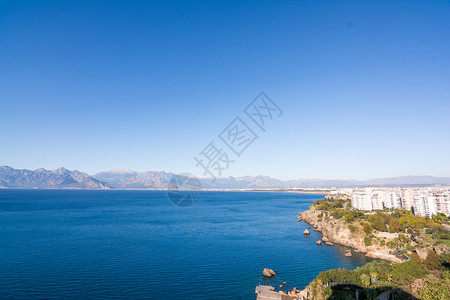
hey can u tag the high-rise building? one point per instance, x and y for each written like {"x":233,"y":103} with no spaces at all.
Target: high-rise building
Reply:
{"x":443,"y":203}
{"x":407,"y":195}
{"x":418,"y":202}
{"x":424,"y":205}
{"x":392,"y":200}
{"x":362,"y":199}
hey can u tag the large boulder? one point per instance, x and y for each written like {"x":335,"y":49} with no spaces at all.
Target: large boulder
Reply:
{"x":422,"y":252}
{"x":325,"y":239}
{"x":319,"y":242}
{"x":306,"y":232}
{"x":268,"y":272}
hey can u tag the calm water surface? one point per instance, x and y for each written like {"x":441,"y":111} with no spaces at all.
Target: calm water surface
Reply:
{"x":137,"y":244}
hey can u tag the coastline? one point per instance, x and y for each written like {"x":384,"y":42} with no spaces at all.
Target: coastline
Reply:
{"x":165,"y":189}
{"x":335,"y":231}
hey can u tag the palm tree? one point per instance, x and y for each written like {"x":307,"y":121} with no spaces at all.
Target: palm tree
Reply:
{"x":365,"y":280}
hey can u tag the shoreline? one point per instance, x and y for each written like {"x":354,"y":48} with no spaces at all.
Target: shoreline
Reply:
{"x":372,"y":254}
{"x":336,"y":232}
{"x":163,"y":190}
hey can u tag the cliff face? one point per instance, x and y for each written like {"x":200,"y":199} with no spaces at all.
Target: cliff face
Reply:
{"x":337,"y":231}
{"x":334,"y":230}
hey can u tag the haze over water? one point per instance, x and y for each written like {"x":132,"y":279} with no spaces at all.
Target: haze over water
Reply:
{"x":137,"y":244}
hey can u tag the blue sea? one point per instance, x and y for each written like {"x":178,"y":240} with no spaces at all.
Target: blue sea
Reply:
{"x":58,"y":244}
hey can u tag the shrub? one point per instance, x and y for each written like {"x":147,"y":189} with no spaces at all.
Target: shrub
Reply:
{"x":336,"y":214}
{"x":402,"y":238}
{"x":368,"y":241}
{"x":394,"y":225}
{"x":445,"y":260}
{"x":349,"y":217}
{"x":391,"y":244}
{"x":352,"y":228}
{"x":444,"y":235}
{"x":416,"y":258}
{"x":416,"y":222}
{"x":365,"y":280}
{"x":377,"y":222}
{"x":386,"y":218}
{"x":435,"y":288}
{"x":406,"y":272}
{"x":432,"y":261}
{"x":367,"y":228}
{"x":440,"y":218}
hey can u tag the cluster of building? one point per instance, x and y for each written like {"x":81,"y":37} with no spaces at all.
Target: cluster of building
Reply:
{"x":423,"y":201}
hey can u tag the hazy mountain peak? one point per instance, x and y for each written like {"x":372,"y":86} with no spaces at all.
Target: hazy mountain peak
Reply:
{"x":128,"y":179}
{"x":41,"y":178}
{"x":60,"y":170}
{"x":122,"y":171}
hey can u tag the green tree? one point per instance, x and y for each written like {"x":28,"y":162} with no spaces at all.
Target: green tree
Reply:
{"x":377,"y":222}
{"x":435,"y":288}
{"x":317,"y":290}
{"x":365,"y":280}
{"x":394,"y":225}
{"x":406,"y":272}
{"x":432,"y":261}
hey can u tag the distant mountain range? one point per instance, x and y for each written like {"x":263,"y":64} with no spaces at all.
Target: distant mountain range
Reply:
{"x":45,"y":179}
{"x":128,"y":179}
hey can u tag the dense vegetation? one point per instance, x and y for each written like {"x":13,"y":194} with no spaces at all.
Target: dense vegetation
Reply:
{"x":420,"y":230}
{"x":427,"y":278}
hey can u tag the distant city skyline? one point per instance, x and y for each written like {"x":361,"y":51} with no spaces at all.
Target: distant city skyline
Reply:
{"x":141,"y":85}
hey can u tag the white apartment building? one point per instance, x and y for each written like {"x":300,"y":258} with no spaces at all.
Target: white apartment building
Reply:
{"x":370,"y":199}
{"x":407,"y":195}
{"x":362,"y":199}
{"x":392,"y":200}
{"x":426,"y":201}
{"x":443,"y":203}
{"x":424,"y":205}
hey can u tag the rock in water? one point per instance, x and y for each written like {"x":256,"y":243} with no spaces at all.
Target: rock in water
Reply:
{"x":306,"y":232}
{"x":268,"y":272}
{"x":319,"y":242}
{"x":348,"y":254}
{"x":329,"y":243}
{"x":325,"y":239}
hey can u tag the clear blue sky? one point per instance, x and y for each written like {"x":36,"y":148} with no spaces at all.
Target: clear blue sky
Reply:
{"x":99,"y":85}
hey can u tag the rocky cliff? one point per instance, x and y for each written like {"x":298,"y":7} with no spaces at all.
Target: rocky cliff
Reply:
{"x":337,"y":231}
